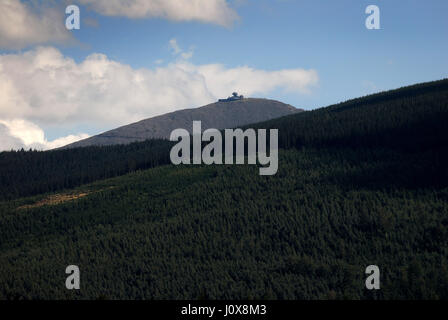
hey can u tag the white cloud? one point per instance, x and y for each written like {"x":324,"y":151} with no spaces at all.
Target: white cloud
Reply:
{"x":45,"y":88}
{"x":175,"y":46}
{"x":27,"y":23}
{"x":16,"y":134}
{"x":22,"y":25}
{"x":8,"y":142}
{"x":208,"y":11}
{"x":185,"y":55}
{"x":59,"y":142}
{"x":254,"y":81}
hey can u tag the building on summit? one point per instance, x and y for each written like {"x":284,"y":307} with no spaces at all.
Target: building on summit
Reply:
{"x":233,"y":97}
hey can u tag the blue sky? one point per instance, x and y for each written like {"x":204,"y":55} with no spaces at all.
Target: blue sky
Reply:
{"x":328,"y":37}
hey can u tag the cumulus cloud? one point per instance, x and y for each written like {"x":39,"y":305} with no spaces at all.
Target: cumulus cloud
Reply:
{"x":18,"y":133}
{"x":252,"y":81}
{"x":27,"y":23}
{"x":23,"y":25}
{"x":44,"y":87}
{"x":7,"y":141}
{"x":207,"y":11}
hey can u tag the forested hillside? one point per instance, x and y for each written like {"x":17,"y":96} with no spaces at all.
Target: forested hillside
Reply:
{"x":359,"y":183}
{"x":225,"y":232}
{"x":411,"y":118}
{"x":25,"y":173}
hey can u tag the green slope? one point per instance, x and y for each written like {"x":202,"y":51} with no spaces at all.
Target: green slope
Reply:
{"x":226,"y":232}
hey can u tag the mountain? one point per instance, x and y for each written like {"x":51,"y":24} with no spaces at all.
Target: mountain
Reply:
{"x":412,"y":118}
{"x":359,"y":183}
{"x":219,"y":115}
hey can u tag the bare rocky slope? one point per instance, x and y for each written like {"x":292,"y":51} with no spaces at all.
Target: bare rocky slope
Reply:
{"x":219,"y":115}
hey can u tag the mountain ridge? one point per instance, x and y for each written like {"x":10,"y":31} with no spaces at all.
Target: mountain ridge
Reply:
{"x":411,"y":122}
{"x":218,"y":115}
